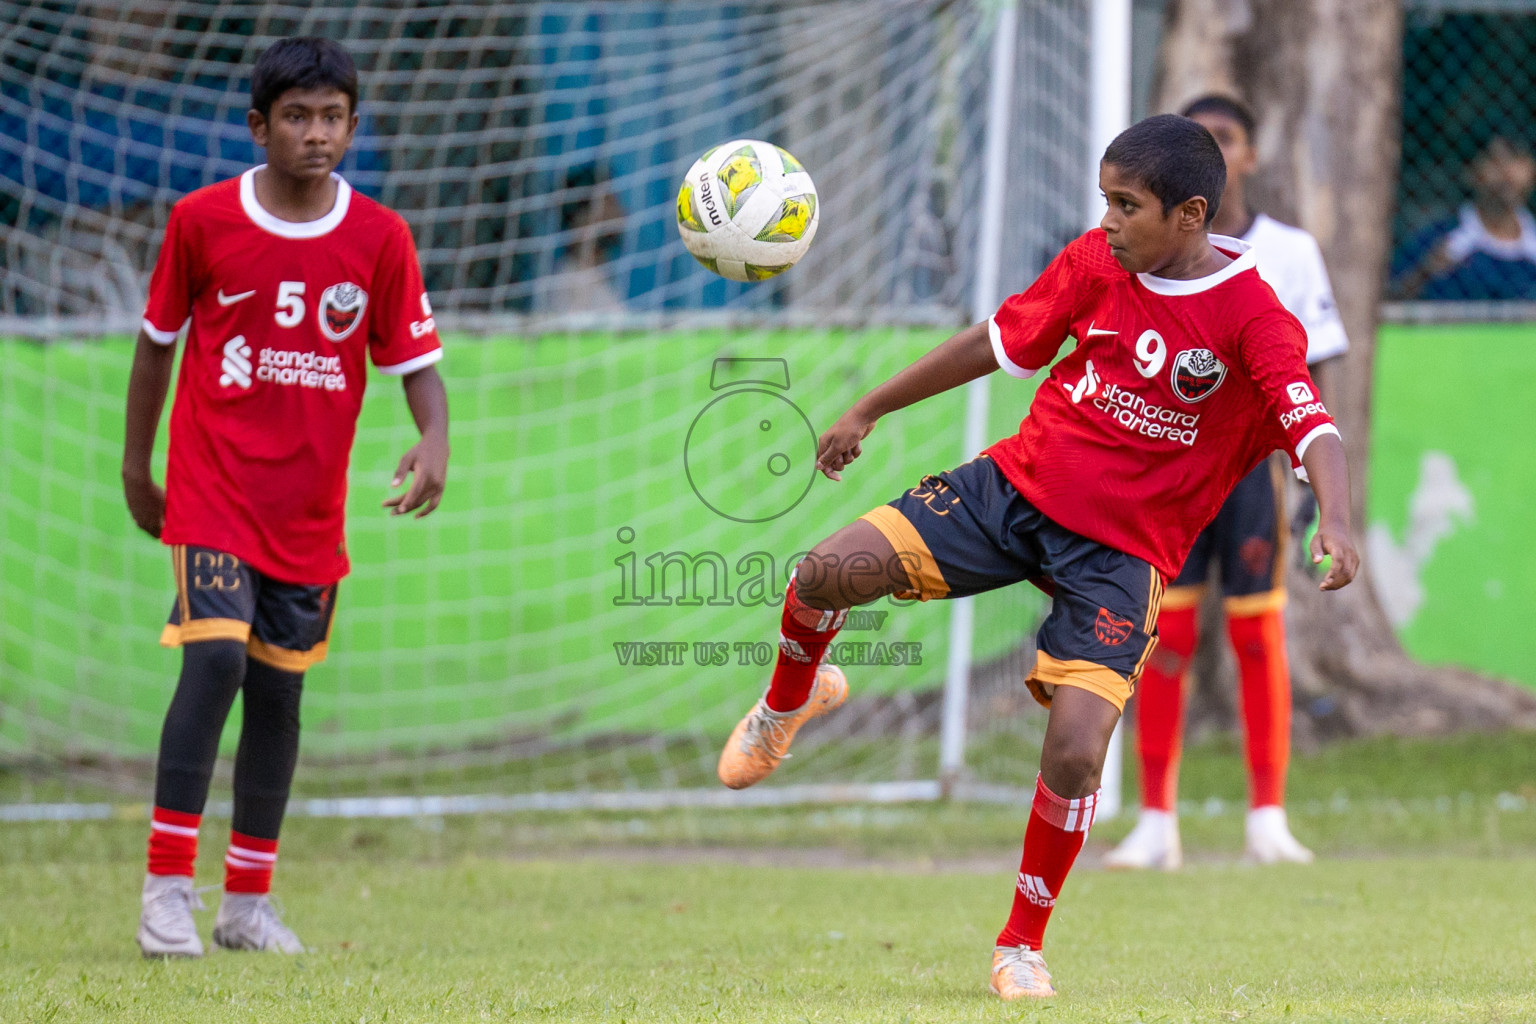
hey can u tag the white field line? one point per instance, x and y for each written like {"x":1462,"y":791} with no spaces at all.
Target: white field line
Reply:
{"x":722,"y":799}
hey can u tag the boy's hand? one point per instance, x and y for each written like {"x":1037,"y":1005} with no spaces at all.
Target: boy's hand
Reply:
{"x":1334,"y":541}
{"x":840,"y":444}
{"x":427,"y":461}
{"x":146,"y":502}
{"x":963,"y":358}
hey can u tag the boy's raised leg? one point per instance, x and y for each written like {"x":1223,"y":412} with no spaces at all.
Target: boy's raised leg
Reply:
{"x":855,"y":566}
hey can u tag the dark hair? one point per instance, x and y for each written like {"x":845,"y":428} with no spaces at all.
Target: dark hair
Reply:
{"x":1224,"y":106}
{"x":303,"y":62}
{"x":1174,"y":157}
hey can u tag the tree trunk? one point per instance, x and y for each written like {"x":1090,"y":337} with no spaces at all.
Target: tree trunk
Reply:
{"x":1322,"y":77}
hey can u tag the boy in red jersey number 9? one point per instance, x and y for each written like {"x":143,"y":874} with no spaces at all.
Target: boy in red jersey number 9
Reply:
{"x":1186,"y":374}
{"x":289,"y":283}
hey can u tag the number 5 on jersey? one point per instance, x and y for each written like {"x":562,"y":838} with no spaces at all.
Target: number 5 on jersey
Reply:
{"x":290,"y":304}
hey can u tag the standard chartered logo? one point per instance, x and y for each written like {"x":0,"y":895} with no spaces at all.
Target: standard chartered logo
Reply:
{"x":1139,"y":416}
{"x":237,"y":363}
{"x":280,"y":366}
{"x":1087,"y":387}
{"x":302,"y":369}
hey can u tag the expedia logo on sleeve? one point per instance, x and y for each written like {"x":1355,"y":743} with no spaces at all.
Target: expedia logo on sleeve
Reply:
{"x":428,"y":323}
{"x":341,"y":307}
{"x":1196,"y":373}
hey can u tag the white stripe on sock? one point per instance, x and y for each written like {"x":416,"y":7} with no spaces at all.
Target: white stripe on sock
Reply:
{"x":249,"y":854}
{"x":175,"y":830}
{"x":1080,"y":813}
{"x":249,"y":865}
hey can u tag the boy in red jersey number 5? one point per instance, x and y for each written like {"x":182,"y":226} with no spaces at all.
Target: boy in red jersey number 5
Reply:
{"x":289,"y":283}
{"x":1187,"y":373}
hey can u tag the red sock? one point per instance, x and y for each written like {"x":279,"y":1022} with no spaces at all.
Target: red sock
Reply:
{"x":1160,"y":707}
{"x":1259,"y":641}
{"x":1055,"y":834}
{"x":804,"y":633}
{"x":248,"y":864}
{"x":173,"y":842}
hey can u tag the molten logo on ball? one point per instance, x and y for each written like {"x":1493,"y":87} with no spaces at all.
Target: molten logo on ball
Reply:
{"x":747,"y":210}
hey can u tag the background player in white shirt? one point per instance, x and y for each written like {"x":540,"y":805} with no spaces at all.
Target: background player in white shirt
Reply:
{"x":1247,"y":541}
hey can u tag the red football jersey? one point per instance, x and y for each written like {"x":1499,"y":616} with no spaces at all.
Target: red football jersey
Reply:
{"x":273,"y":374}
{"x":1175,"y":391}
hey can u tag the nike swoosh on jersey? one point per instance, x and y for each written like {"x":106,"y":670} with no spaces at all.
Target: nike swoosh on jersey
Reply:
{"x":1094,"y":332}
{"x":230,"y":300}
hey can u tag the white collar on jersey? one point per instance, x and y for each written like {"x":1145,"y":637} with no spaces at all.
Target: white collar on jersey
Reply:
{"x":1245,"y":260}
{"x":288,"y":228}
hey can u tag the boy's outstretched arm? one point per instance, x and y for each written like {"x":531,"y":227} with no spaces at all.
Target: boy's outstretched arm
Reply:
{"x":1329,"y":475}
{"x":960,"y":360}
{"x":148,"y":382}
{"x":427,"y":459}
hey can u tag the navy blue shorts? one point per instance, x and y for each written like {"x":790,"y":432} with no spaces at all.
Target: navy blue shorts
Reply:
{"x":969,"y":530}
{"x":1247,"y":542}
{"x":220,"y":597}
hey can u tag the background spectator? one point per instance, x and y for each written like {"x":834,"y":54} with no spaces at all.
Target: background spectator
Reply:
{"x":1487,"y":251}
{"x":592,"y":222}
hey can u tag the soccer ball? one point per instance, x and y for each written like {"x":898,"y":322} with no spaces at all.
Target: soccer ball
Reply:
{"x":747,"y":210}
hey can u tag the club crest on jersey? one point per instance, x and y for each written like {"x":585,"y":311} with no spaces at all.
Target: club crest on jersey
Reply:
{"x":341,"y":307}
{"x":1196,"y":373}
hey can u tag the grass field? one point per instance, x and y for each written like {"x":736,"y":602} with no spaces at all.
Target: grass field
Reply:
{"x":1419,"y":910}
{"x":620,"y":940}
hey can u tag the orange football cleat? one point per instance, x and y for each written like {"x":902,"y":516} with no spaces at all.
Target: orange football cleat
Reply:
{"x":1018,"y":972}
{"x":761,"y":740}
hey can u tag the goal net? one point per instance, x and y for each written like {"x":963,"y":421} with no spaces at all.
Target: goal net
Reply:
{"x":595,"y":603}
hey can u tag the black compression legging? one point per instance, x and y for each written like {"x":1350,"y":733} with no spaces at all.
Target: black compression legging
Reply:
{"x":212,"y":671}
